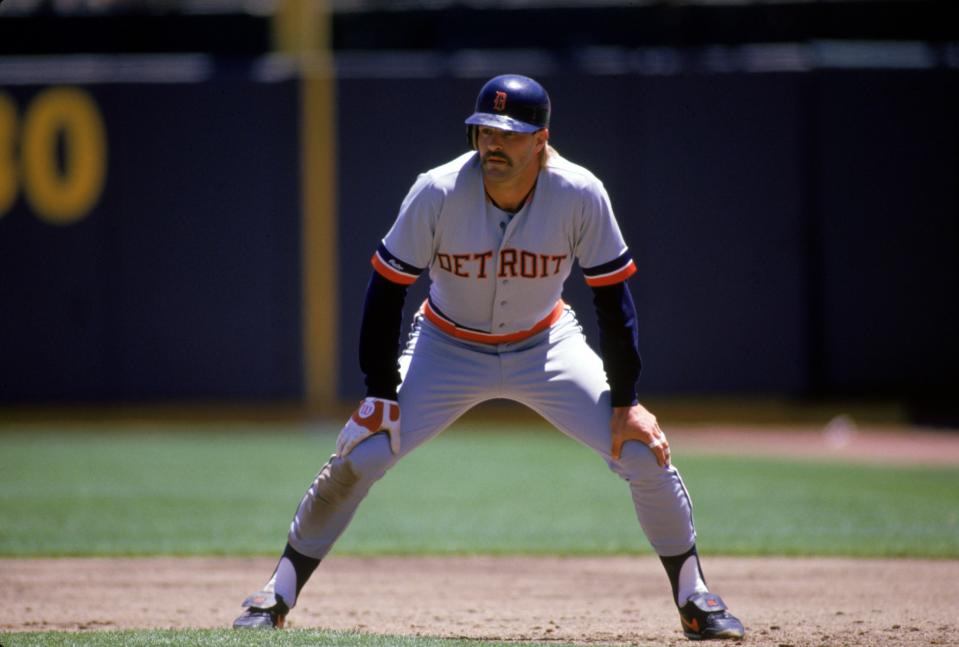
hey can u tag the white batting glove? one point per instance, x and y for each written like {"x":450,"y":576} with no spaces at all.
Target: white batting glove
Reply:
{"x":373,"y":416}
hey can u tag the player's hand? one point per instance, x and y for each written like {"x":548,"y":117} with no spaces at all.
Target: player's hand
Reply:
{"x":638,"y":423}
{"x":372,"y":416}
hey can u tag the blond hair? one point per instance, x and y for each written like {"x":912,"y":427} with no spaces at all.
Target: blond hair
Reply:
{"x":548,"y":152}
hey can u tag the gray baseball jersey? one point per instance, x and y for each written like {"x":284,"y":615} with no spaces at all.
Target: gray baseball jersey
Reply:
{"x":496,"y":277}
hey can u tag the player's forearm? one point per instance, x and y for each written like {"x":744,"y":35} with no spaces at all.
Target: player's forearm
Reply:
{"x":618,"y":341}
{"x":380,"y":336}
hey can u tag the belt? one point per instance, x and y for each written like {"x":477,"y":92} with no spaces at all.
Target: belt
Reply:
{"x":453,"y":329}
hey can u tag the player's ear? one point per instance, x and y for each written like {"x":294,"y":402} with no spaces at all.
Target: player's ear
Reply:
{"x":542,"y":138}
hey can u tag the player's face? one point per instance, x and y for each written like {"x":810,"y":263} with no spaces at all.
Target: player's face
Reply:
{"x":507,"y":155}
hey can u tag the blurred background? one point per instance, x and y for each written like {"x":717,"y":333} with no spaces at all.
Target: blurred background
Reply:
{"x":191,"y":190}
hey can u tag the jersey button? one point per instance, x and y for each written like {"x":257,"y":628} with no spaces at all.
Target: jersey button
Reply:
{"x":502,"y":325}
{"x":502,"y":303}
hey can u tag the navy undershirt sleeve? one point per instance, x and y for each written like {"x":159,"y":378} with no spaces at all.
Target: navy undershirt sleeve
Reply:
{"x":618,"y":341}
{"x":380,"y":336}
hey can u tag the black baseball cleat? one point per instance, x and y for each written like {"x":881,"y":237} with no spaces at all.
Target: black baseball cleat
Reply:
{"x":705,"y":617}
{"x":264,"y":610}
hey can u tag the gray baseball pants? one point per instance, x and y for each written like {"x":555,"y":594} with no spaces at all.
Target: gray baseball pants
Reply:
{"x":554,"y":372}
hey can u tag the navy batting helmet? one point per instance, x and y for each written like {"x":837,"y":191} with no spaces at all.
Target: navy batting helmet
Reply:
{"x":511,"y":102}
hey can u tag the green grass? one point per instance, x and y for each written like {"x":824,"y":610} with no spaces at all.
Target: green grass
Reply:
{"x":230,"y":638}
{"x":769,"y":507}
{"x":232,"y":491}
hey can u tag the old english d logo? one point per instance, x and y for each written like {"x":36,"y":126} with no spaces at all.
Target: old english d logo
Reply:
{"x":499,"y":102}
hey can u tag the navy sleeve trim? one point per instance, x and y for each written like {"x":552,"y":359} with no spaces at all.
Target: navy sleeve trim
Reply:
{"x":393,"y":268}
{"x":615,"y":271}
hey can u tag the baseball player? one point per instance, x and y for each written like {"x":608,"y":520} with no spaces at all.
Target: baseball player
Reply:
{"x":499,"y":229}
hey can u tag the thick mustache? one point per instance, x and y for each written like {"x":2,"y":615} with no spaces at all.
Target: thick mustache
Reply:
{"x":500,"y":156}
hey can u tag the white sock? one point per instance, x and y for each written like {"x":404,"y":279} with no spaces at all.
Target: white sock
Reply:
{"x":283,"y":582}
{"x":690,"y":580}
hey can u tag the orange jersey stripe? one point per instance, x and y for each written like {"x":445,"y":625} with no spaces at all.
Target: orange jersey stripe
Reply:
{"x":391,"y":273}
{"x":612,"y":278}
{"x":453,"y":330}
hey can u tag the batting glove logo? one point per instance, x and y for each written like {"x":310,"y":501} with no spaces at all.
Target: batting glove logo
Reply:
{"x":372,"y":416}
{"x":366,"y":410}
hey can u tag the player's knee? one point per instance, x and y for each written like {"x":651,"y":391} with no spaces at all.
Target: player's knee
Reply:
{"x":369,"y":460}
{"x":636,"y":463}
{"x":345,"y":477}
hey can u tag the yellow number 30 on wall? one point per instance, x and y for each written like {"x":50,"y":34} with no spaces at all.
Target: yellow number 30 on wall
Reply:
{"x":62,"y":162}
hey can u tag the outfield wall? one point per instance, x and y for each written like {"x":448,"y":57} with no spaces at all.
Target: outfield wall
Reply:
{"x":166,"y":264}
{"x":796,"y":233}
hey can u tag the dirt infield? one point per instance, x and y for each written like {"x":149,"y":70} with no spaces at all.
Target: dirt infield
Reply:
{"x":617,"y":600}
{"x":609,"y":600}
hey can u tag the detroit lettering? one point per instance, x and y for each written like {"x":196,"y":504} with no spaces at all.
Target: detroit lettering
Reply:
{"x":511,"y":263}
